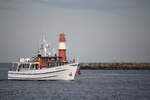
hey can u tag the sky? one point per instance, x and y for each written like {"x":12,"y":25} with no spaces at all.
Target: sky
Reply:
{"x":96,"y":30}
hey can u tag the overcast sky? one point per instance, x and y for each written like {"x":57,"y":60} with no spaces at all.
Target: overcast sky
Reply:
{"x":96,"y":30}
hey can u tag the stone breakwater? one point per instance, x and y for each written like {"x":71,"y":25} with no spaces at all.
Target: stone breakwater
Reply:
{"x":117,"y":65}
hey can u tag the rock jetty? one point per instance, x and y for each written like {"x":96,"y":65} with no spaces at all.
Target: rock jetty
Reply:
{"x":118,"y":65}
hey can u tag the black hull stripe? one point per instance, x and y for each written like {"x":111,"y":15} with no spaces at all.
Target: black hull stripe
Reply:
{"x":38,"y":73}
{"x":32,"y":78}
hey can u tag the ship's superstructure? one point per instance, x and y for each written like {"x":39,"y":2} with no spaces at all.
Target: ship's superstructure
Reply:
{"x":46,"y":65}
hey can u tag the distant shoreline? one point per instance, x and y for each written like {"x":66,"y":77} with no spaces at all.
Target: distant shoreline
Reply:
{"x":115,"y":65}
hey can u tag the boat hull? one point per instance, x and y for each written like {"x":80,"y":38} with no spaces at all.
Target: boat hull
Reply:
{"x":65,"y":72}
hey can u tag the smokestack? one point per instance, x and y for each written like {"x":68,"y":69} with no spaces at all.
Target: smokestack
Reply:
{"x":62,"y":47}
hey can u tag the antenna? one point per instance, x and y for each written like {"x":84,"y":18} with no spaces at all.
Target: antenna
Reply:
{"x":78,"y":60}
{"x":43,"y":37}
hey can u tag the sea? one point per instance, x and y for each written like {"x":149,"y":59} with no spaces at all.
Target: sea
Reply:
{"x":90,"y":85}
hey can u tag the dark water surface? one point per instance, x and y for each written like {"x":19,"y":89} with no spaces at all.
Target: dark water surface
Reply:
{"x":91,"y":85}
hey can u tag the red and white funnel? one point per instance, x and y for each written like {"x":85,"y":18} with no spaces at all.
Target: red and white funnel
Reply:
{"x":62,"y":47}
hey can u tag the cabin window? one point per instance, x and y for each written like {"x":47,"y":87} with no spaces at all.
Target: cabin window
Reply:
{"x":25,"y":66}
{"x":52,"y":59}
{"x":32,"y":66}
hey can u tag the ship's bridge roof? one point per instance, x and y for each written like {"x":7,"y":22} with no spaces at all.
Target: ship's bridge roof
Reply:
{"x":25,"y":62}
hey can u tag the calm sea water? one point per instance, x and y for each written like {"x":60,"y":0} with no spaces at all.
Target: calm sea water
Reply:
{"x":91,"y":85}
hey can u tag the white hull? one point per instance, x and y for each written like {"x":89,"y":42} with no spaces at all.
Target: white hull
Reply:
{"x":64,"y":72}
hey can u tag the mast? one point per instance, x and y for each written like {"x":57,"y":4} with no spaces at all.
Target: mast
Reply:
{"x":44,"y":47}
